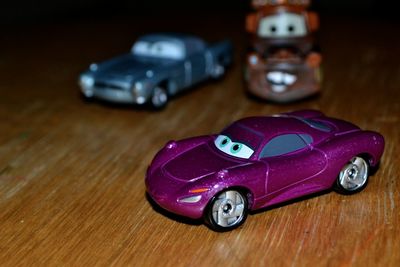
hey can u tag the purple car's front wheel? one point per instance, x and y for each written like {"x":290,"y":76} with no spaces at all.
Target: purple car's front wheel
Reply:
{"x":353,"y":177}
{"x":227,"y":210}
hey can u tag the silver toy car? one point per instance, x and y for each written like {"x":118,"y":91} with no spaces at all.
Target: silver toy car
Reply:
{"x":158,"y":66}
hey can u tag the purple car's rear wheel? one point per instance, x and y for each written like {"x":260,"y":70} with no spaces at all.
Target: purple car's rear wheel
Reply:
{"x":227,"y":210}
{"x":353,"y":177}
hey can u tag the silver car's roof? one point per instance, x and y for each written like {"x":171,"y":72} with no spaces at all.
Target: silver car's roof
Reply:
{"x":190,"y":43}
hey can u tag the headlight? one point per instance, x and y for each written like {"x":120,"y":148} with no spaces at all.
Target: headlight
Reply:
{"x":253,"y":59}
{"x":140,"y":92}
{"x":138,"y":89}
{"x":93,"y":67}
{"x":87,"y":81}
{"x":195,"y":198}
{"x":192,"y":199}
{"x":139,"y":86}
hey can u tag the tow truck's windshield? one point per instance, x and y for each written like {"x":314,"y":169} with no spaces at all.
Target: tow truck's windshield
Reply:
{"x":283,"y":25}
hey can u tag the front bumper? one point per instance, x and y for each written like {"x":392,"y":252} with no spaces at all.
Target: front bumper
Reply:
{"x":307,"y":84}
{"x":113,"y":90}
{"x":113,"y":95}
{"x":168,"y":193}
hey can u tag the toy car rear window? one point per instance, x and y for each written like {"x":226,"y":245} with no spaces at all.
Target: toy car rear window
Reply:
{"x":319,"y":125}
{"x":284,"y":144}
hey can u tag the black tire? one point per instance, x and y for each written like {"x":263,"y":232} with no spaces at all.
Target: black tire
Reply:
{"x":227,"y":210}
{"x":159,"y":98}
{"x":218,"y":71}
{"x":86,"y":99}
{"x":353,"y":177}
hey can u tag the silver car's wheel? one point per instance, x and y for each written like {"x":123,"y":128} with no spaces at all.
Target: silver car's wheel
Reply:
{"x":353,"y":177}
{"x":227,"y":210}
{"x":218,"y":71}
{"x":159,"y":98}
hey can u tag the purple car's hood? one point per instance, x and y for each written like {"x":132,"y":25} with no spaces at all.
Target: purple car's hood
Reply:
{"x":197,"y":163}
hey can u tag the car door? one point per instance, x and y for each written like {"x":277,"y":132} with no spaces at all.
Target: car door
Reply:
{"x":198,"y":66}
{"x":179,"y":76}
{"x":293,"y":166}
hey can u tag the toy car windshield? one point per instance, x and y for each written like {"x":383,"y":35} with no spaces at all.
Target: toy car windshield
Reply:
{"x":159,"y":49}
{"x":238,"y":141}
{"x":282,"y":25}
{"x":232,"y":148}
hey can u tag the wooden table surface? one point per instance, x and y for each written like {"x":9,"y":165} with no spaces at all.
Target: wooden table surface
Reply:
{"x":72,"y":173}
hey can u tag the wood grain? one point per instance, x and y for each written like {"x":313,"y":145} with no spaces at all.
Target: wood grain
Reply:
{"x":72,"y":173}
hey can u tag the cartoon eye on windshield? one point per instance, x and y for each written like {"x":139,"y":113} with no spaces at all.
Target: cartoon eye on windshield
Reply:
{"x":282,"y":25}
{"x":161,"y":49}
{"x":141,"y":48}
{"x":235,"y":149}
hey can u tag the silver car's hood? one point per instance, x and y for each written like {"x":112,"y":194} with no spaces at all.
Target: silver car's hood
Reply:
{"x":130,"y":66}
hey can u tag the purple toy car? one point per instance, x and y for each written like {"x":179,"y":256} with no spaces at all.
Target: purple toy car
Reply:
{"x":261,"y":161}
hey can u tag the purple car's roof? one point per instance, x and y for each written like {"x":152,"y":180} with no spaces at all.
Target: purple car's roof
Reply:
{"x":275,"y":125}
{"x":254,"y":130}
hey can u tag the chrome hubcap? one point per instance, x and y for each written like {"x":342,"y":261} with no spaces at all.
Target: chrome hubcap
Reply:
{"x":354,"y":175}
{"x":228,"y":208}
{"x":159,"y":97}
{"x":218,"y":71}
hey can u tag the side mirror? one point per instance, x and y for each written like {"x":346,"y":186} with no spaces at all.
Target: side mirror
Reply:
{"x":313,"y":21}
{"x":314,"y":60}
{"x":251,"y":23}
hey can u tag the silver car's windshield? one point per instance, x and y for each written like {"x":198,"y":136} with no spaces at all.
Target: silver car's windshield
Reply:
{"x":159,"y":49}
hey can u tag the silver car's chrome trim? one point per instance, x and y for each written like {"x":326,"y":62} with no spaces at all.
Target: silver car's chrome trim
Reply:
{"x":117,"y":96}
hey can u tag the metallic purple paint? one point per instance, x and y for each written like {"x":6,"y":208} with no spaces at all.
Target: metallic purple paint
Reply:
{"x":186,"y":175}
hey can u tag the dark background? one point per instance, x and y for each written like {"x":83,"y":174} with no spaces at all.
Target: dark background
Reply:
{"x":25,"y":11}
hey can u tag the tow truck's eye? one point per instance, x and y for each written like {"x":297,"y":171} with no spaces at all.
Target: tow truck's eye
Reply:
{"x":235,"y":149}
{"x":282,"y":25}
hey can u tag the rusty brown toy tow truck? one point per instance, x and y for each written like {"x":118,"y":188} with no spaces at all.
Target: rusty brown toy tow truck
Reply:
{"x":284,"y":63}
